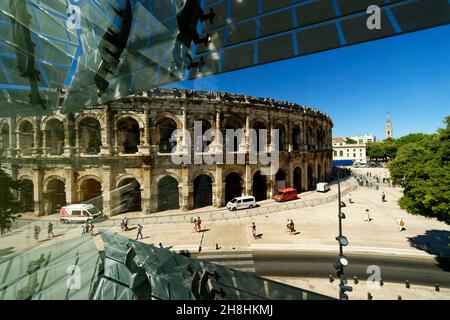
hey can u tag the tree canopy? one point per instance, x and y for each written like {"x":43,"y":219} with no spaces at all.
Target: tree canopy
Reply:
{"x":8,"y":205}
{"x":422,"y":167}
{"x":387,"y":149}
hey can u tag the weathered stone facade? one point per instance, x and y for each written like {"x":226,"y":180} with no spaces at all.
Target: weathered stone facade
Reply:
{"x":71,"y":158}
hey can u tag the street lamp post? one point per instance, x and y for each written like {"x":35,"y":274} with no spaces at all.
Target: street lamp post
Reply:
{"x":342,"y":240}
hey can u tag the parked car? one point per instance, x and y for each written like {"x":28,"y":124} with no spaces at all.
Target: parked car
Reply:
{"x":79,"y":213}
{"x":323,"y":187}
{"x":241,"y":203}
{"x":286,"y":195}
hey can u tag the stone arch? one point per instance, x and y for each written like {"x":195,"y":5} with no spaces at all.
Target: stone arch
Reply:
{"x":124,"y":116}
{"x":259,"y":186}
{"x":311,"y":179}
{"x":232,"y":122}
{"x":168,"y":193}
{"x":4,"y":135}
{"x":257,"y":125}
{"x":297,"y":179}
{"x":296,"y":137}
{"x":54,"y":135}
{"x":50,"y":178}
{"x":165,"y":138}
{"x":282,"y":137}
{"x":26,"y":136}
{"x":126,"y":176}
{"x":44,"y":122}
{"x":26,"y":193}
{"x":233,"y":186}
{"x":168,"y":115}
{"x":128,"y":133}
{"x":54,"y":194}
{"x":281,"y":179}
{"x":203,"y":191}
{"x":130,"y":193}
{"x":89,"y":133}
{"x":90,"y":190}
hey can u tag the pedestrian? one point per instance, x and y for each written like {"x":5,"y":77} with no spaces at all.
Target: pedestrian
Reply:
{"x":254,"y":230}
{"x":122,"y":225}
{"x":139,"y":232}
{"x":125,"y":224}
{"x":37,"y":230}
{"x":383,"y":196}
{"x":350,"y":198}
{"x":401,"y":224}
{"x":367,"y":216}
{"x":199,"y":224}
{"x":50,"y":230}
{"x":91,"y":229}
{"x":84,"y":229}
{"x":195,"y":225}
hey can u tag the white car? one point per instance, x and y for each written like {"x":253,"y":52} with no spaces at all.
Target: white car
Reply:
{"x":323,"y":187}
{"x":79,"y":213}
{"x":241,"y":203}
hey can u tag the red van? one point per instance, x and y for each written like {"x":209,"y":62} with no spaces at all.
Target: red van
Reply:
{"x":285,"y":195}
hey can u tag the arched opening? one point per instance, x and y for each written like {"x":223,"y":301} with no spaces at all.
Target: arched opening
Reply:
{"x":130,"y":195}
{"x":55,"y":196}
{"x":26,"y":195}
{"x":341,"y":153}
{"x":319,"y":173}
{"x":26,"y":138}
{"x":233,"y":123}
{"x":297,"y":177}
{"x":280,"y":179}
{"x":54,"y":137}
{"x":91,"y":191}
{"x":128,"y":135}
{"x":309,"y":138}
{"x":90,"y":136}
{"x":281,"y":137}
{"x":296,"y":138}
{"x":201,"y":144}
{"x":4,"y":143}
{"x":167,"y":139}
{"x":233,"y":186}
{"x":310,"y":178}
{"x":259,"y":186}
{"x":260,"y":138}
{"x":202,"y":191}
{"x":168,"y":194}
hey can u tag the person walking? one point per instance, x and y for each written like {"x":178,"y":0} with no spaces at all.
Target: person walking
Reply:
{"x":199,"y":224}
{"x":37,"y":230}
{"x":383,"y":196}
{"x":139,"y":232}
{"x":401,"y":224}
{"x":254,"y":230}
{"x":122,"y":225}
{"x":50,"y":230}
{"x":350,"y":198}
{"x":84,"y":229}
{"x":367,"y":216}
{"x":125,"y":224}
{"x":91,"y":229}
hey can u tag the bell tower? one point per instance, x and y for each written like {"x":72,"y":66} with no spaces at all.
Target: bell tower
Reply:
{"x":388,"y":127}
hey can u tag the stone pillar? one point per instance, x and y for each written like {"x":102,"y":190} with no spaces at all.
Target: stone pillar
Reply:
{"x":219,"y":187}
{"x":304,"y":166}
{"x":37,"y":137}
{"x":144,"y":147}
{"x":70,"y":185}
{"x":185,"y":190}
{"x":146,"y":195}
{"x":248,"y":180}
{"x":105,"y":132}
{"x":68,"y":149}
{"x":290,"y":146}
{"x":107,"y":187}
{"x":290,"y":174}
{"x":38,"y":192}
{"x":12,"y":137}
{"x":247,"y":132}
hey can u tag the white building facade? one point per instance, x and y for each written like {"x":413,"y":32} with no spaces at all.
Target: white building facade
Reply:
{"x":344,"y":151}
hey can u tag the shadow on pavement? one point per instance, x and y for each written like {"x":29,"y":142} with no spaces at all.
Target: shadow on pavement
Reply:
{"x":436,"y":242}
{"x":6,"y":251}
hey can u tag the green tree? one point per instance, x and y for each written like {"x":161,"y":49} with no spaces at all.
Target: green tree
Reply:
{"x":423,"y":169}
{"x":8,"y":205}
{"x":350,"y":141}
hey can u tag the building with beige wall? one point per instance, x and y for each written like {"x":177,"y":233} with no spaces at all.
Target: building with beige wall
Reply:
{"x":123,"y":152}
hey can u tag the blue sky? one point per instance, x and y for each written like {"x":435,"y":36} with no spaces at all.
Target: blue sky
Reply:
{"x":407,"y":76}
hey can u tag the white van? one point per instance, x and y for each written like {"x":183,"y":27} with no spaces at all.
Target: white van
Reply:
{"x":241,"y":203}
{"x":323,"y":187}
{"x":79,"y":213}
